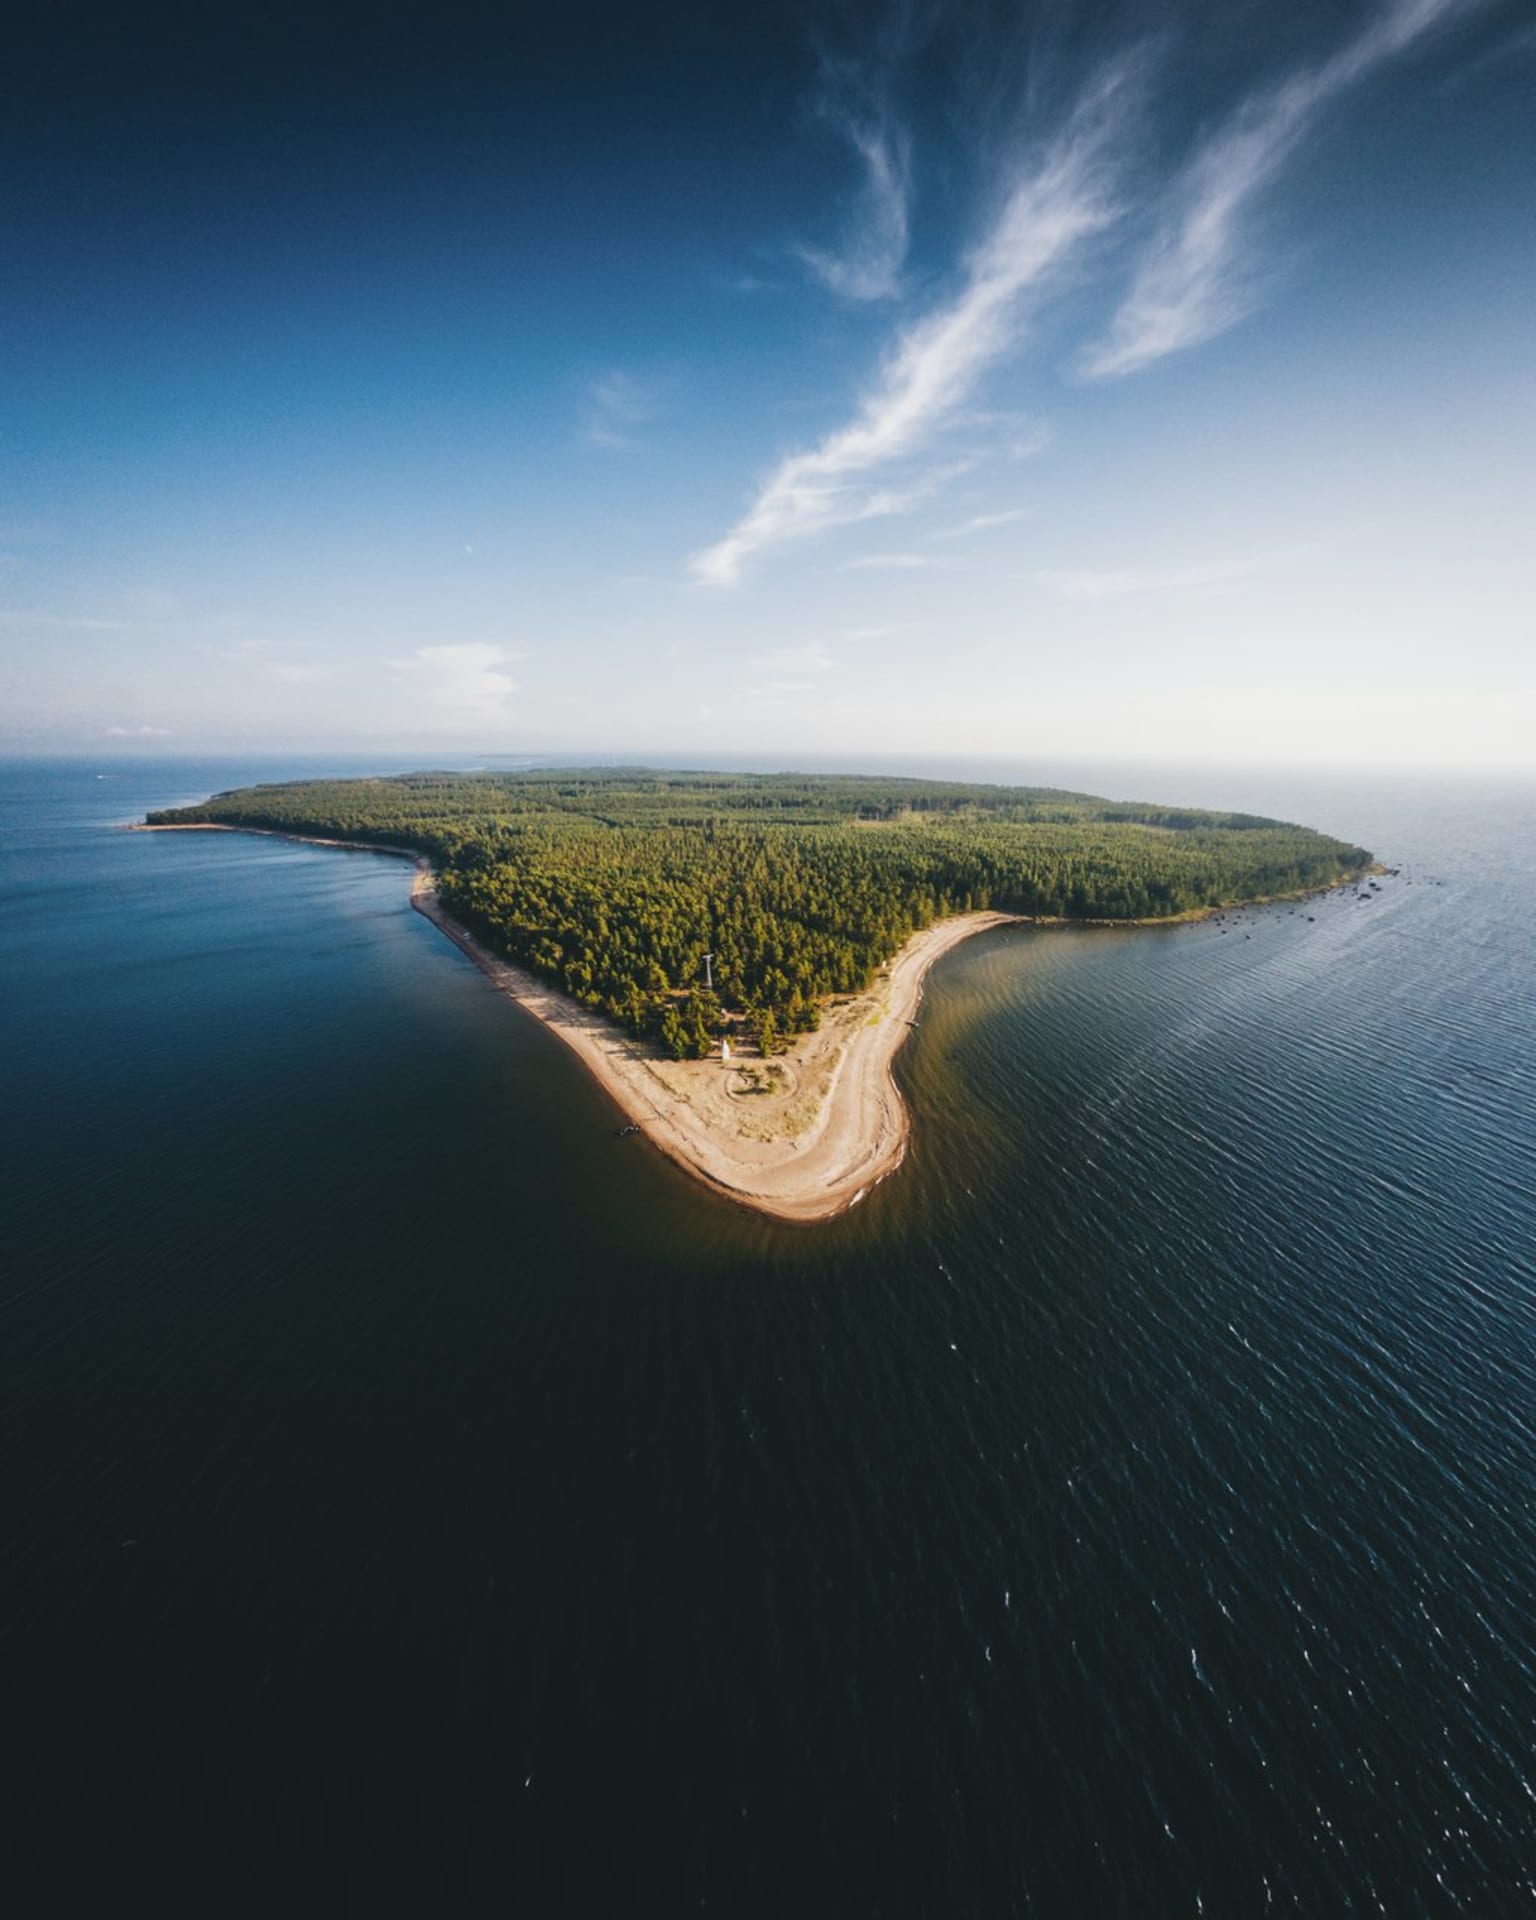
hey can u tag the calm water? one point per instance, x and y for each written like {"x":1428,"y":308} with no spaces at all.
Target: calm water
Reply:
{"x":420,"y":1500}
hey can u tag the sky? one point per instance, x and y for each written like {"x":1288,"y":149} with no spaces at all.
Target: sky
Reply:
{"x":1143,"y":382}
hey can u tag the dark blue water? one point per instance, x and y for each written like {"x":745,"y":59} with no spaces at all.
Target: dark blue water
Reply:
{"x":419,"y":1500}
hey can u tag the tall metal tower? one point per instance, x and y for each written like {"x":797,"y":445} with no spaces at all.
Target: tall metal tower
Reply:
{"x":709,"y":978}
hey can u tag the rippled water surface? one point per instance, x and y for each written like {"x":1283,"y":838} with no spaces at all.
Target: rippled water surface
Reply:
{"x":421,"y":1500}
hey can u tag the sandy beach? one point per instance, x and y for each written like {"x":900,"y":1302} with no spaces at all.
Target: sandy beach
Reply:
{"x":803,"y":1136}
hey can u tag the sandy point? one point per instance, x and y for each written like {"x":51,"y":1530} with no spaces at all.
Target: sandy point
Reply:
{"x":806,"y":1144}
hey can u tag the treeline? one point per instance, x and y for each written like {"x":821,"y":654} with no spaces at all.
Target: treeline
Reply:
{"x":615,"y":883}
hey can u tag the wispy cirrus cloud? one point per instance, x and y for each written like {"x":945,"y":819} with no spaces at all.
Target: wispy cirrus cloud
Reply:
{"x":1032,"y":438}
{"x":1193,"y":281}
{"x":1008,"y":433}
{"x":1195,"y":278}
{"x":867,"y":265}
{"x":935,"y":364}
{"x":983,"y":523}
{"x":615,"y":408}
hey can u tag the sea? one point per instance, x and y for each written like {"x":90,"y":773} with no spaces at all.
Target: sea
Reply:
{"x":422,"y":1498}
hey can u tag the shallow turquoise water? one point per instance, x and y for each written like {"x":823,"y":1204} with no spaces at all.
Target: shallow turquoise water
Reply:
{"x":421,"y":1498}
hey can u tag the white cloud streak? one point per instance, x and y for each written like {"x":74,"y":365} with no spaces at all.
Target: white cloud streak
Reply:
{"x":1191,"y":283}
{"x":983,"y":523}
{"x":936,"y":363}
{"x":854,"y":99}
{"x":616,"y":406}
{"x":869,"y":265}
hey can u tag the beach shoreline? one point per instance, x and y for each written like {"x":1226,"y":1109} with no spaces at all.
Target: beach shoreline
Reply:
{"x":856,"y":1126}
{"x":802,"y":1138}
{"x":858,"y":1130}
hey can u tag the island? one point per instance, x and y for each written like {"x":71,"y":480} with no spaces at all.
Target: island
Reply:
{"x":737,"y":958}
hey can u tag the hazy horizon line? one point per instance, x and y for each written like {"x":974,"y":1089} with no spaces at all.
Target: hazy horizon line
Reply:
{"x":783,"y":759}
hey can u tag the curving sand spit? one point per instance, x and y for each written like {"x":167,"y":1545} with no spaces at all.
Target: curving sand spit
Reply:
{"x":802,"y":1137}
{"x":822,"y":1124}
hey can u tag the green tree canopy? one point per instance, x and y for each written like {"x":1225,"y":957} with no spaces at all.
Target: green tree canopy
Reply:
{"x":614,"y":883}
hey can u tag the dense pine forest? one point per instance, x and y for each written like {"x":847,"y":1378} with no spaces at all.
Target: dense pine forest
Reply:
{"x":614,"y":883}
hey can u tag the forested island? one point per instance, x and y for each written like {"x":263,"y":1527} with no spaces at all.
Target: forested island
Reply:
{"x":613,"y":884}
{"x":650,"y":916}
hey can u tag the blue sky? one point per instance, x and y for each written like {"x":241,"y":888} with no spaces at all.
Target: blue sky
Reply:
{"x":1124,"y":381}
